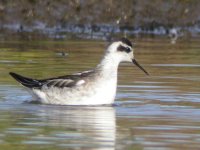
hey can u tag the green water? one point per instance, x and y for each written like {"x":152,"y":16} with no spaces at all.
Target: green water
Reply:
{"x":160,"y":111}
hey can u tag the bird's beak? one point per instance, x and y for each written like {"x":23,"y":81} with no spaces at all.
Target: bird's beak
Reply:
{"x":138,"y":65}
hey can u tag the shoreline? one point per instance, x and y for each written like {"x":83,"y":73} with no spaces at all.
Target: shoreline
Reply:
{"x":96,"y":31}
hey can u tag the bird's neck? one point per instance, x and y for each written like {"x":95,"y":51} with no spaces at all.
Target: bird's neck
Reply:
{"x":109,"y":66}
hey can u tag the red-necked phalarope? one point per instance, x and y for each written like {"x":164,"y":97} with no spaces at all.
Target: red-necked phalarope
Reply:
{"x":93,"y":87}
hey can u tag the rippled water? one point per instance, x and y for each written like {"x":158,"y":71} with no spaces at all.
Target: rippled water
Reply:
{"x":160,"y":111}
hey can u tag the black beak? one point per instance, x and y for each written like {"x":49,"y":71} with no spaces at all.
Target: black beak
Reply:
{"x":138,"y":65}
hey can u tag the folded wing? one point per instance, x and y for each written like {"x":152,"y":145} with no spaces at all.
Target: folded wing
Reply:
{"x":60,"y":82}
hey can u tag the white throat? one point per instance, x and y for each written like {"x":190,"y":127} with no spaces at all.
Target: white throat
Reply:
{"x":109,"y":65}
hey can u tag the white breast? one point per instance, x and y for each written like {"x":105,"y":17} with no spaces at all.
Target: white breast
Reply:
{"x":105,"y":93}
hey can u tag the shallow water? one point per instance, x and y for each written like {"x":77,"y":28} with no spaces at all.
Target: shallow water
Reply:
{"x":160,"y":111}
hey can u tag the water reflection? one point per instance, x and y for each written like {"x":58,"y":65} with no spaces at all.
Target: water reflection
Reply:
{"x":69,"y":127}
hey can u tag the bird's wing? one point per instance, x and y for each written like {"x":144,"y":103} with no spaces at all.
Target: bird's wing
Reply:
{"x":60,"y":82}
{"x":67,"y":81}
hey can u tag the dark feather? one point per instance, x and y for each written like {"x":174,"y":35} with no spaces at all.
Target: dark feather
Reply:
{"x":126,"y":41}
{"x":28,"y":82}
{"x":61,"y":82}
{"x":123,"y":49}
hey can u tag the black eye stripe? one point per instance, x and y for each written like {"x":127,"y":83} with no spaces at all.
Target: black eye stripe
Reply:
{"x":123,"y":49}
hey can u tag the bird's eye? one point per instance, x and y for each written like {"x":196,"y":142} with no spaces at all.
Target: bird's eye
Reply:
{"x":128,"y":49}
{"x":124,"y":49}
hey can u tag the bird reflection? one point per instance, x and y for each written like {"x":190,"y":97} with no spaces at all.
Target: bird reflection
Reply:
{"x":96,"y":126}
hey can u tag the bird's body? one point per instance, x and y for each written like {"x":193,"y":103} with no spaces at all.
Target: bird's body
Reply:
{"x":93,"y":87}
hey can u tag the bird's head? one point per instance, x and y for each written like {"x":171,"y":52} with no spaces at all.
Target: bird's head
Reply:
{"x":123,"y":50}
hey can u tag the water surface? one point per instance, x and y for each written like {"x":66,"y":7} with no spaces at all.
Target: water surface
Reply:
{"x":160,"y":111}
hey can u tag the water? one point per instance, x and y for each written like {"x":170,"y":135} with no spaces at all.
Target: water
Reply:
{"x":160,"y":111}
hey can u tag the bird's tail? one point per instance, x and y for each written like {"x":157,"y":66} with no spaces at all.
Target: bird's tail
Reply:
{"x":27,"y":82}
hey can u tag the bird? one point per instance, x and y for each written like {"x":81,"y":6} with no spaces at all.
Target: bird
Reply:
{"x":93,"y":87}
